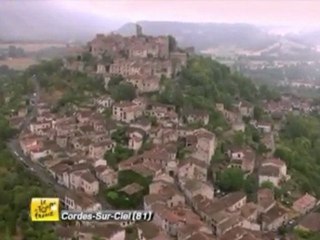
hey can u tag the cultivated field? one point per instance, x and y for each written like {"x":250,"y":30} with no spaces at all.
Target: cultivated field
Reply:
{"x":18,"y":63}
{"x":32,"y":47}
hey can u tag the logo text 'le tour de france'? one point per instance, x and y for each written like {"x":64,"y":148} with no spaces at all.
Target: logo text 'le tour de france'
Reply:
{"x":44,"y":209}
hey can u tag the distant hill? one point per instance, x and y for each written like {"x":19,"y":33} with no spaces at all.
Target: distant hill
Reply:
{"x":207,"y":35}
{"x":284,"y":46}
{"x":310,"y":37}
{"x":42,"y":20}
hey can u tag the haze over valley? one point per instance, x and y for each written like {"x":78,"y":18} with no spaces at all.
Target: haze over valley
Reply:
{"x":265,"y":50}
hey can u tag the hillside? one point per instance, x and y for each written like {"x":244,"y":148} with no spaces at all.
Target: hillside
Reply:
{"x":204,"y":82}
{"x":200,"y":85}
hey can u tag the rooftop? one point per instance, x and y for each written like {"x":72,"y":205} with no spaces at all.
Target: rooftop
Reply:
{"x":81,"y":199}
{"x":265,"y":197}
{"x":149,"y":230}
{"x":132,"y":188}
{"x":269,"y":171}
{"x":305,"y":201}
{"x":106,"y":231}
{"x":311,"y":222}
{"x":249,"y":209}
{"x":193,"y":185}
{"x":142,"y":170}
{"x":274,"y":161}
{"x":88,"y":177}
{"x":203,"y":133}
{"x":273,"y":214}
{"x":60,"y":168}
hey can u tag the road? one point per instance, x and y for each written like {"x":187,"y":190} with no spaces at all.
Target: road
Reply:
{"x":35,"y":168}
{"x":31,"y":166}
{"x":14,"y":146}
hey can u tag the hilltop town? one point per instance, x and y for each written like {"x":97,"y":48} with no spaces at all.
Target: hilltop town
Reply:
{"x":191,"y":163}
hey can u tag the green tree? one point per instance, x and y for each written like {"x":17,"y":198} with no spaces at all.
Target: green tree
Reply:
{"x":96,"y":238}
{"x":120,"y":136}
{"x":126,"y":177}
{"x":267,"y":184}
{"x":258,"y":113}
{"x":117,"y":155}
{"x":115,"y":80}
{"x":250,"y":184}
{"x":87,"y":57}
{"x":231,"y":179}
{"x":239,"y":139}
{"x":7,"y":235}
{"x":123,"y":92}
{"x":268,"y":94}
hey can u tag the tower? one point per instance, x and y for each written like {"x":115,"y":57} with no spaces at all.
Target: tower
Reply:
{"x":138,"y":30}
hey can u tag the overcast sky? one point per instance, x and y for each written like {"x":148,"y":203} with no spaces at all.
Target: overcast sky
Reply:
{"x":301,"y":13}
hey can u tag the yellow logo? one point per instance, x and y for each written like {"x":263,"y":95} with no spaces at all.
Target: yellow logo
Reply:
{"x":44,"y":209}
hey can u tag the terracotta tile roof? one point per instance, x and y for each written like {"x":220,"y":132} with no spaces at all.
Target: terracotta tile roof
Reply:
{"x":203,"y":133}
{"x":269,"y":171}
{"x":211,"y":207}
{"x":305,"y":201}
{"x":265,"y":193}
{"x":101,"y":168}
{"x":60,"y":168}
{"x":233,"y":198}
{"x":81,"y":199}
{"x":149,"y":230}
{"x":105,"y":143}
{"x":142,"y":170}
{"x":273,"y":214}
{"x":248,"y":209}
{"x":201,"y":236}
{"x":192,"y":185}
{"x":193,"y":161}
{"x":311,"y":222}
{"x":130,"y":161}
{"x":88,"y":177}
{"x":274,"y":161}
{"x":106,"y":231}
{"x":220,"y":216}
{"x":151,"y":199}
{"x":232,"y":221}
{"x":176,"y":214}
{"x":132,"y":188}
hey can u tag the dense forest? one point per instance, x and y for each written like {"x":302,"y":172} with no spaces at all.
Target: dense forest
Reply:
{"x":299,"y":146}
